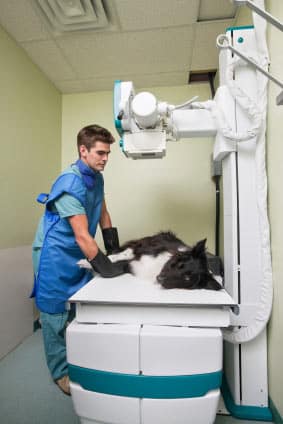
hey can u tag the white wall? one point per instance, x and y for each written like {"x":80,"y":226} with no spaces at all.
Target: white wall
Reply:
{"x":16,"y":311}
{"x":144,"y":197}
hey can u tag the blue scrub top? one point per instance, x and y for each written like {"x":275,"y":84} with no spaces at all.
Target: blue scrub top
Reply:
{"x":55,"y":250}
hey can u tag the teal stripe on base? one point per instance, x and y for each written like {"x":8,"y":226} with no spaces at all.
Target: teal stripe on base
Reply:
{"x":244,"y":412}
{"x":142,"y":386}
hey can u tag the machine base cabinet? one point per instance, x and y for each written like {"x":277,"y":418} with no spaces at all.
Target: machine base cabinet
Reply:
{"x":144,"y":374}
{"x":98,"y":408}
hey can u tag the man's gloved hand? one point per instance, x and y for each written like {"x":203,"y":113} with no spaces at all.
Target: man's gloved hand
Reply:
{"x":107,"y":269}
{"x":111,"y":240}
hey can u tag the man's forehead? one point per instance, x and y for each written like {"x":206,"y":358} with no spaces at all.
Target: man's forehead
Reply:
{"x":100,"y":146}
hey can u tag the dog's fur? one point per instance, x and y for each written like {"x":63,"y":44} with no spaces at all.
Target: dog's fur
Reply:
{"x":169,"y":261}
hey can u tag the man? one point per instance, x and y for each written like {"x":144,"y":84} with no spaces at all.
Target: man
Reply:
{"x":74,"y":208}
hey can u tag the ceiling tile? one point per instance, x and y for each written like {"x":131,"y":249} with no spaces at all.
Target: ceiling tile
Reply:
{"x":147,"y":14}
{"x":216,"y":9}
{"x":133,"y":52}
{"x":205,"y":52}
{"x":48,"y":57}
{"x":159,"y":44}
{"x":21,"y":21}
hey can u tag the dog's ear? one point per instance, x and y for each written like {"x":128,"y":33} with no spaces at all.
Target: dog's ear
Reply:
{"x":198,"y":249}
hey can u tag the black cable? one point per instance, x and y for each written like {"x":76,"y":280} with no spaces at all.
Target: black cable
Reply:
{"x":217,"y":213}
{"x":216,"y":179}
{"x":211,"y":76}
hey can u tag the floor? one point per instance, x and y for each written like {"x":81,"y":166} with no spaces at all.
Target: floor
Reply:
{"x":29,"y":396}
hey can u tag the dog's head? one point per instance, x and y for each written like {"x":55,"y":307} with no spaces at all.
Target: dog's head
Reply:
{"x":188,"y":270}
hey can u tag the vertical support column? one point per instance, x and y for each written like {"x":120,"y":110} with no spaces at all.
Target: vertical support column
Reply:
{"x":226,"y":150}
{"x":253,"y":355}
{"x":245,"y":364}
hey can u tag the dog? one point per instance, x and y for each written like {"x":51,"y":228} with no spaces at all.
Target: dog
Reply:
{"x":167,"y":260}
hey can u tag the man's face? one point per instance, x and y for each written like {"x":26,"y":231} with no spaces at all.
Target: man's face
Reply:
{"x":97,"y":157}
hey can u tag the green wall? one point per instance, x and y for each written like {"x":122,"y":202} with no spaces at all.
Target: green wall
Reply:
{"x":30,"y":127}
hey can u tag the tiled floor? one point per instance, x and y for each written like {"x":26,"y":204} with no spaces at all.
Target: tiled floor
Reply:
{"x":29,"y":396}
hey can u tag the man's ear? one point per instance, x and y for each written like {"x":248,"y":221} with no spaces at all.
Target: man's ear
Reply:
{"x":82,"y":150}
{"x":199,"y":248}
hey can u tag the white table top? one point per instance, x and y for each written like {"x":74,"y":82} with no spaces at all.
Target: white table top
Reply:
{"x":129,"y":290}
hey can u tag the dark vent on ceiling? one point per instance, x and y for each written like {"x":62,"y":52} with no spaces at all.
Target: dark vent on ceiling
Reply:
{"x":201,"y":76}
{"x":211,"y":12}
{"x":73,"y":15}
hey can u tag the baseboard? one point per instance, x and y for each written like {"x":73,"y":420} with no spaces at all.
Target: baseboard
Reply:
{"x":244,"y":412}
{"x":277,"y":419}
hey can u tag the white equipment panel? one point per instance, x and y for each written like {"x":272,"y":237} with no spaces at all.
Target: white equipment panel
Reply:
{"x":134,"y":328}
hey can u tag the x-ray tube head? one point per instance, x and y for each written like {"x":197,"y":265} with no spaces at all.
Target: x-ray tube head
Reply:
{"x":144,"y":108}
{"x":145,"y":125}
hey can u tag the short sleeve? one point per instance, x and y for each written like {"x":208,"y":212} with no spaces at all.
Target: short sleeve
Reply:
{"x":68,"y":205}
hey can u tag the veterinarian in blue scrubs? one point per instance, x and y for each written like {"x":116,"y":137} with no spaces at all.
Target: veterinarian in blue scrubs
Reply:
{"x":65,"y":234}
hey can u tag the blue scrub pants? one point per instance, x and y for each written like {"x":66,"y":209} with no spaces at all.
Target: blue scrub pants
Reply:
{"x":54,"y":332}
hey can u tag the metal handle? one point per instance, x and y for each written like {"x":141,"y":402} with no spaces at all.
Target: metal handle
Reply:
{"x":223,"y":42}
{"x":267,"y":16}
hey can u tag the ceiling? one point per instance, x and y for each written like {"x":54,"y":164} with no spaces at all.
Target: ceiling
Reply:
{"x":84,"y":45}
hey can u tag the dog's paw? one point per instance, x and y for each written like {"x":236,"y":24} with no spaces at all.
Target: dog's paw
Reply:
{"x":126,"y":255}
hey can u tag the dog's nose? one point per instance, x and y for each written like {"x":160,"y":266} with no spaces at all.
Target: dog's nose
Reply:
{"x":160,"y":278}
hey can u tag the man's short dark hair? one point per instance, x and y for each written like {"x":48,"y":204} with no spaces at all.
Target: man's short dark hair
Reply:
{"x":90,"y":134}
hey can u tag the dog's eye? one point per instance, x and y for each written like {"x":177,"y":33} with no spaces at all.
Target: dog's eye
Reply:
{"x":180,"y":265}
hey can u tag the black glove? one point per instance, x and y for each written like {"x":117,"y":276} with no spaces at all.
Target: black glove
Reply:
{"x":111,"y":240}
{"x":107,"y":269}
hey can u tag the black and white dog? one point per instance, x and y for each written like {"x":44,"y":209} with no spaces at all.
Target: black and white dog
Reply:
{"x":169,"y":261}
